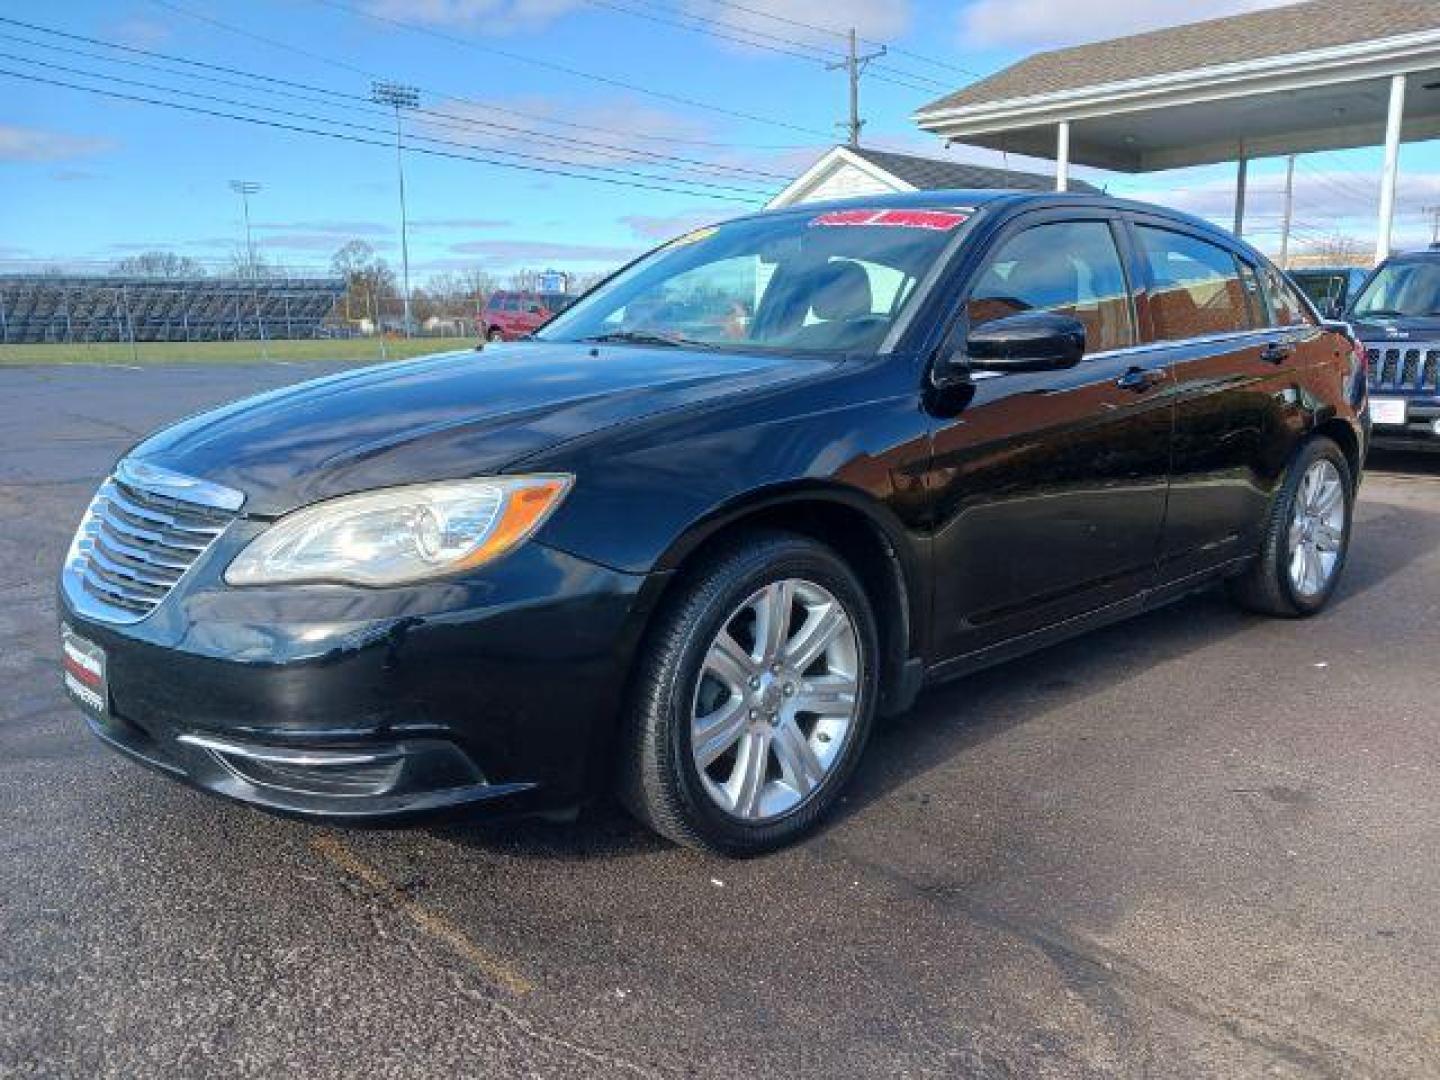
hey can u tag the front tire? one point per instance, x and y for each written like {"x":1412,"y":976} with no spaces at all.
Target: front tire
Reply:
{"x":753,"y":698}
{"x":495,"y":334}
{"x":1307,"y":536}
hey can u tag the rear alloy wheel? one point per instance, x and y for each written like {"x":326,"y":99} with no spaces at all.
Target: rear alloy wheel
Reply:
{"x":754,"y":697}
{"x":1317,"y":529}
{"x":1307,"y":536}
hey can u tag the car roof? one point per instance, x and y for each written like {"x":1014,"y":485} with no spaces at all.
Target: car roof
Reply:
{"x":976,"y":198}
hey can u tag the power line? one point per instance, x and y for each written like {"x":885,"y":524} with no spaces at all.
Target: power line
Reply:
{"x":310,"y":54}
{"x":360,"y":140}
{"x":436,"y":117}
{"x":839,"y":33}
{"x":432,"y":117}
{"x":371,"y":130}
{"x":786,"y":46}
{"x":564,"y":69}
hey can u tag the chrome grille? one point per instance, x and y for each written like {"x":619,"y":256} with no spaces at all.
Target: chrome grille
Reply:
{"x":1405,"y":368}
{"x":139,"y":538}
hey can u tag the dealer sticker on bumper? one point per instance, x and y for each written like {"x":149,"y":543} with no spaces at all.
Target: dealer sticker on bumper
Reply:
{"x":1391,"y":412}
{"x":84,"y":671}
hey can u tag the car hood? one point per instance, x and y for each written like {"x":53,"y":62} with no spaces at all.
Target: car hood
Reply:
{"x":1397,"y":331}
{"x":442,"y":417}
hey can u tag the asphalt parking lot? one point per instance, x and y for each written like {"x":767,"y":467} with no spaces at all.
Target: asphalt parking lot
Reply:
{"x":1201,"y":844}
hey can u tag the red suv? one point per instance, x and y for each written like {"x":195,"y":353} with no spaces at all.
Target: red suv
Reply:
{"x":511,"y":315}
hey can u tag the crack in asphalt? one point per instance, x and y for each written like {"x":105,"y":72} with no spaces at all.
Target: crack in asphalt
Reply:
{"x":495,"y":972}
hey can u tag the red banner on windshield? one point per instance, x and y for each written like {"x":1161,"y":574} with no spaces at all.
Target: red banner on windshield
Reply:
{"x":939,"y":220}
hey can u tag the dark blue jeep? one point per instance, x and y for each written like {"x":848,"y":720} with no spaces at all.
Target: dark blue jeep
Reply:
{"x":1397,"y":316}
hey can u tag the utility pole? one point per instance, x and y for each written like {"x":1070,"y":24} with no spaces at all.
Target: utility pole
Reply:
{"x":1285,"y":217}
{"x":854,"y":65}
{"x":399,"y":97}
{"x":1434,"y":212}
{"x":246,"y":188}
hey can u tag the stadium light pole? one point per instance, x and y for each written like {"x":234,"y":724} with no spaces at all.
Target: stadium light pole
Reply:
{"x":399,"y":96}
{"x":246,"y":188}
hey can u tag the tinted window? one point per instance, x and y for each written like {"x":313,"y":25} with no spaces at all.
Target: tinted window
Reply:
{"x":1069,"y":268}
{"x":1196,"y":286}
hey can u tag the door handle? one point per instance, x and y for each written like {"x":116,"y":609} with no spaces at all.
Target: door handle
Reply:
{"x":1140,"y":379}
{"x":1277,"y":352}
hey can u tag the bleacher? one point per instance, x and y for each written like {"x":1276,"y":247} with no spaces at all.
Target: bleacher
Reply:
{"x":62,"y":308}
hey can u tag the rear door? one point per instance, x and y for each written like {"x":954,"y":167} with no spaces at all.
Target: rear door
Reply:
{"x":1236,"y":393}
{"x":1050,"y":486}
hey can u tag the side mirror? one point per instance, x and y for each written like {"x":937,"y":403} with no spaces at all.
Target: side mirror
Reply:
{"x":1031,"y":341}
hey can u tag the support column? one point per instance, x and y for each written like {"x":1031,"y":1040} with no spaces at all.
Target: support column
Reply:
{"x":1392,"y":166}
{"x":1062,"y":156}
{"x":1241,"y":168}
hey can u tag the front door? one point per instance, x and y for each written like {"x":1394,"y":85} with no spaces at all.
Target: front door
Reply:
{"x":1050,"y":487}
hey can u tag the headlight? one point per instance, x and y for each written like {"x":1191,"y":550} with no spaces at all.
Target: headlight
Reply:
{"x":400,"y":535}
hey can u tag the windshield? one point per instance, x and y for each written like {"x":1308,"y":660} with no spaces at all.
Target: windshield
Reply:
{"x":827,"y":281}
{"x":1401,"y":290}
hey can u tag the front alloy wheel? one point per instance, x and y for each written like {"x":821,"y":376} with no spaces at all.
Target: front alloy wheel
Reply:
{"x":776,"y":700}
{"x":753,"y":696}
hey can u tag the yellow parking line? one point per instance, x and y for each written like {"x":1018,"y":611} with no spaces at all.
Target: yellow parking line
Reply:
{"x":493,"y":969}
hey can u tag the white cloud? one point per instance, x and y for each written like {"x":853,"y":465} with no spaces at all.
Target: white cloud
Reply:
{"x":653,"y":227}
{"x":619,"y":132}
{"x":34,"y":144}
{"x":1327,"y":201}
{"x":347,"y":229}
{"x":1033,"y":24}
{"x":821,"y":22}
{"x":506,"y":254}
{"x":493,"y":16}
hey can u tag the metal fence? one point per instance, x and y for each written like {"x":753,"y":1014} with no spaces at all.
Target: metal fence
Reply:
{"x":53,"y":310}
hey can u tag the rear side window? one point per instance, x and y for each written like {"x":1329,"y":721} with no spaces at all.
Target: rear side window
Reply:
{"x":1066,"y":267}
{"x":1196,"y":287}
{"x":1286,"y":307}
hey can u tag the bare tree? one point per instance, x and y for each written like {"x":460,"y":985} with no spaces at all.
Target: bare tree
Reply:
{"x":369,"y":281}
{"x":159,"y":264}
{"x":1337,"y":250}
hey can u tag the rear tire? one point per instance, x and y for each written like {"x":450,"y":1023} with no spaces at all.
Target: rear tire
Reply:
{"x":745,"y":724}
{"x":1306,"y":538}
{"x":495,"y":334}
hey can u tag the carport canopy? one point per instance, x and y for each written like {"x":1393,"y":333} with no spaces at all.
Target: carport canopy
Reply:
{"x":1323,"y":75}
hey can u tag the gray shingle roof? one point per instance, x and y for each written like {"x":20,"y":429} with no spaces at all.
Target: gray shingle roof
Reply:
{"x":1281,"y":31}
{"x":932,"y":174}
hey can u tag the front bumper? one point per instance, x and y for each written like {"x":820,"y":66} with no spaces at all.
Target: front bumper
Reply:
{"x":377,"y":705}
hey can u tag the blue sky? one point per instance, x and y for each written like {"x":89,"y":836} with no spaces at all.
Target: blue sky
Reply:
{"x":91,"y":179}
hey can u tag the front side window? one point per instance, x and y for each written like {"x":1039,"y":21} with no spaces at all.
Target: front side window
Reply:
{"x":1406,"y":289}
{"x":818,"y":281}
{"x":1196,"y":289}
{"x":1068,"y":268}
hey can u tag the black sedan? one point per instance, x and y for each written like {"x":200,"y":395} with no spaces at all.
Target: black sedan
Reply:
{"x":759,"y":487}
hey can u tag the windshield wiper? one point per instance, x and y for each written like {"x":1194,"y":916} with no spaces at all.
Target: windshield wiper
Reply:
{"x":648,"y":337}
